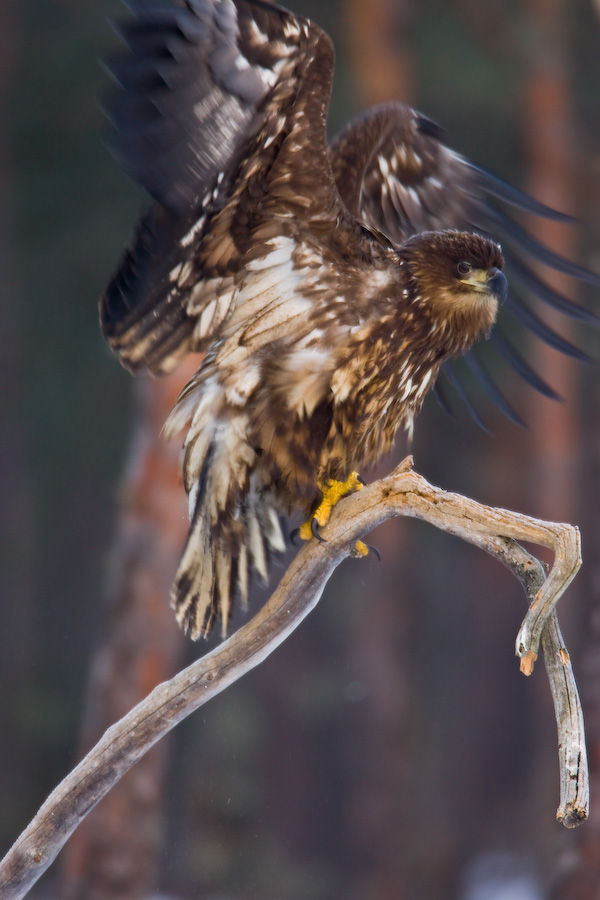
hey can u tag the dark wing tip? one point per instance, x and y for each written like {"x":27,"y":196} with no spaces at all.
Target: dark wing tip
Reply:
{"x":454,"y":380}
{"x":514,"y":197}
{"x":523,"y":240}
{"x":548,"y":294}
{"x":521,"y":366}
{"x":430,"y":128}
{"x":441,"y":395}
{"x":489,"y":385}
{"x":537,"y":325}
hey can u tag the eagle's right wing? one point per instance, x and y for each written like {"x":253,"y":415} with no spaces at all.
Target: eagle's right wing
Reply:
{"x":208,"y":94}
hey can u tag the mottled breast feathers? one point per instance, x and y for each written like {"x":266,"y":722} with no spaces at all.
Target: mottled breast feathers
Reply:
{"x":326,"y":284}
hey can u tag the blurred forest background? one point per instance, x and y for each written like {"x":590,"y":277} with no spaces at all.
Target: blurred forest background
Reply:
{"x":390,"y":749}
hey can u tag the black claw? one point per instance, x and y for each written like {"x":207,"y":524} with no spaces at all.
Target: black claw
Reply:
{"x":374,"y":550}
{"x":314,"y":527}
{"x":361,"y":480}
{"x":294,"y":537}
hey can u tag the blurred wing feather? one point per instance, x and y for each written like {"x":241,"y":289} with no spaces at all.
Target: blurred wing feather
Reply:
{"x":206,"y":97}
{"x":519,"y":364}
{"x":458,"y":386}
{"x":413,"y":182}
{"x":486,"y":380}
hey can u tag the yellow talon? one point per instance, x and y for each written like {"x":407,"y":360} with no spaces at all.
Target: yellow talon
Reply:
{"x":332,"y":494}
{"x":304,"y":532}
{"x":359,"y":549}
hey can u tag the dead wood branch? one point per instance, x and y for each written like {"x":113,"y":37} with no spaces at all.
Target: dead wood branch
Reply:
{"x":402,"y":493}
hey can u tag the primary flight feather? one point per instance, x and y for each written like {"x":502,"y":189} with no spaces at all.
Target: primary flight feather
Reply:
{"x":326,"y":285}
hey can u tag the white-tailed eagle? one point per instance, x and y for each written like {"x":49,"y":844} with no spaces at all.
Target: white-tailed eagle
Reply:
{"x":326,"y":283}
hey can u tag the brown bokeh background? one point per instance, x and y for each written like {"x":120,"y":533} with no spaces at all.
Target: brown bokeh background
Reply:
{"x":390,"y":750}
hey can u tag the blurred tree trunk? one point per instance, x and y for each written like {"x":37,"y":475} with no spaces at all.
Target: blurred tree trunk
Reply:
{"x":112,"y":856}
{"x":556,"y":452}
{"x":558,"y":467}
{"x":17,"y":541}
{"x":378,"y":44}
{"x":577,"y":874}
{"x":550,"y":138}
{"x":378,"y":812}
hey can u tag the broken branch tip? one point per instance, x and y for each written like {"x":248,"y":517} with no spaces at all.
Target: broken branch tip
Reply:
{"x":527,"y":662}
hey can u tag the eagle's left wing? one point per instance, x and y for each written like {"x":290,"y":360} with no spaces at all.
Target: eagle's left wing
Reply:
{"x":413,"y":182}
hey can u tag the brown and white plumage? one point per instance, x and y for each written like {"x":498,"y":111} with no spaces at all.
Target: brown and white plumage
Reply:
{"x":327,"y":285}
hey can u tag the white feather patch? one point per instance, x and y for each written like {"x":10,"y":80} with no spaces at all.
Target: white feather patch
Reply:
{"x":242,"y":575}
{"x":306,"y":379}
{"x":273,"y":531}
{"x":257,"y":546}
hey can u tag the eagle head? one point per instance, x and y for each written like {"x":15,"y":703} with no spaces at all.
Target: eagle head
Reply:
{"x":456,"y":277}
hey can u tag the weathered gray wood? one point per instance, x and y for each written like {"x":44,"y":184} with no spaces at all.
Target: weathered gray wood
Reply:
{"x":402,"y":493}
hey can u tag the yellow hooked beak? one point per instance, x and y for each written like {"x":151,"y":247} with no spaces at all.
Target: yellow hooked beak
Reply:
{"x":488,"y":281}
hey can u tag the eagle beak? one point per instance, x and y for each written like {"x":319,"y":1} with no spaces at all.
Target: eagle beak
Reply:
{"x":497,"y":284}
{"x":489,"y":281}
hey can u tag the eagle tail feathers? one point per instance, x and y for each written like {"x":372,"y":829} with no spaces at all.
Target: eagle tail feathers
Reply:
{"x":235,"y":530}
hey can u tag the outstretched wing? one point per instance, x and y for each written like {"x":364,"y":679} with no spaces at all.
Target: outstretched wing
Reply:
{"x":213,"y":100}
{"x":413,"y":182}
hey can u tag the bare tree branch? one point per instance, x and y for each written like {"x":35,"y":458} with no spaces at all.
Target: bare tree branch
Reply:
{"x":402,"y":493}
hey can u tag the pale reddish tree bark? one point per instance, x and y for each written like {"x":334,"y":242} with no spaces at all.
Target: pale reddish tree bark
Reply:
{"x":113,"y":854}
{"x":379,"y":49}
{"x":550,"y":141}
{"x":559,"y":479}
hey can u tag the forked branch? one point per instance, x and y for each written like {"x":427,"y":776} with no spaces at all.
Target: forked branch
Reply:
{"x":402,"y":493}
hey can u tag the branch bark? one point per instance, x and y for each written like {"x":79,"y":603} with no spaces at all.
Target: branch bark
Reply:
{"x":404,"y":492}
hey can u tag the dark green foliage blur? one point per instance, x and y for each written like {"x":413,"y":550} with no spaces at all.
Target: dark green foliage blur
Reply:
{"x":281,"y":788}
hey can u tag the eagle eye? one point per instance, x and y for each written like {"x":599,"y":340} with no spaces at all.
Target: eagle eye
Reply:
{"x":464,"y":268}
